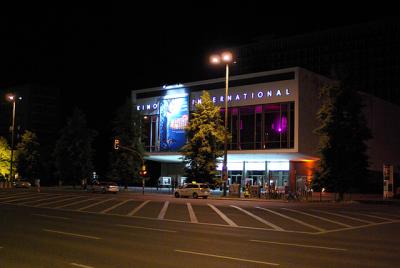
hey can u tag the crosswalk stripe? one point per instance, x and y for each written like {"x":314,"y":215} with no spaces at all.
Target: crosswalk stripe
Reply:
{"x":259,"y":219}
{"x":223,"y":216}
{"x":94,"y":204}
{"x":115,"y":206}
{"x":163,"y":210}
{"x":293,"y":219}
{"x":135,"y":210}
{"x":75,"y":203}
{"x":343,"y":216}
{"x":192,"y":215}
{"x":317,"y":217}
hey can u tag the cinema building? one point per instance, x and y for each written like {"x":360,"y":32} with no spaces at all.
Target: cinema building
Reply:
{"x":271,"y":117}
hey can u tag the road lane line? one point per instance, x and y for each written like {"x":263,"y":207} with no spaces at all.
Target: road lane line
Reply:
{"x":135,"y":210}
{"x":298,"y":245}
{"x":51,"y":217}
{"x":115,"y":206}
{"x":81,"y":265}
{"x":226,"y":257}
{"x":94,"y":204}
{"x":343,"y":216}
{"x":72,"y":234}
{"x":57,"y":201}
{"x":223,"y":216}
{"x":259,"y":219}
{"x":38,"y":200}
{"x":12,"y":196}
{"x":17,"y":200}
{"x":163,"y":211}
{"x":293,"y":219}
{"x":368,"y":215}
{"x":75,"y":203}
{"x":147,"y":228}
{"x":357,"y":227}
{"x":192,"y":215}
{"x":318,"y":217}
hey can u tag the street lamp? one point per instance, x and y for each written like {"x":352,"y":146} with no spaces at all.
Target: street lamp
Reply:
{"x":225,"y":57}
{"x":12,"y":98}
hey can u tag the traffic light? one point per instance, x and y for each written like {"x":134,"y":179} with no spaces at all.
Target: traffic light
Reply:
{"x":116,"y":144}
{"x":143,"y":171}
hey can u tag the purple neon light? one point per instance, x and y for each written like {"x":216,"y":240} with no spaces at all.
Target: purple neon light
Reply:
{"x":280,"y":125}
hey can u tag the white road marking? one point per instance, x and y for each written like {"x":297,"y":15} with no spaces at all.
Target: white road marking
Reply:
{"x":72,"y":234}
{"x":163,"y":210}
{"x":13,"y":195}
{"x":223,"y":216}
{"x":39,"y":200}
{"x":94,"y":204}
{"x":75,"y":203}
{"x":80,"y":265}
{"x":146,"y":228}
{"x":192,"y":215}
{"x":115,"y":206}
{"x":317,"y":217}
{"x":51,"y":217}
{"x":298,"y":245}
{"x":16,"y":200}
{"x":225,"y":257}
{"x":57,"y":201}
{"x":135,"y":210}
{"x":293,"y":219}
{"x":343,"y":216}
{"x":259,"y":219}
{"x":357,"y":227}
{"x":368,"y":215}
{"x":34,"y":199}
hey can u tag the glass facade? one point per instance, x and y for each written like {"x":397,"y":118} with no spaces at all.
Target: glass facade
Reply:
{"x":255,"y":127}
{"x":258,"y":127}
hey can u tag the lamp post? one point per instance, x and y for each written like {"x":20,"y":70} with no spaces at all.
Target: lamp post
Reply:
{"x":12,"y":98}
{"x":225,"y":57}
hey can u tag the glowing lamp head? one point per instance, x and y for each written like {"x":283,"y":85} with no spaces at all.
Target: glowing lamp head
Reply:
{"x":215,"y":59}
{"x":10,"y":97}
{"x":227,"y":57}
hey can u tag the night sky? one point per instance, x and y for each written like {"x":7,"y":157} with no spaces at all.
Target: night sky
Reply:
{"x":96,"y":56}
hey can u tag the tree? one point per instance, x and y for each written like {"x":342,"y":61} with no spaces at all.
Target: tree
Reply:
{"x":205,"y":141}
{"x":343,"y":132}
{"x":28,"y":156}
{"x":73,"y":152}
{"x":5,"y":157}
{"x":127,"y":159}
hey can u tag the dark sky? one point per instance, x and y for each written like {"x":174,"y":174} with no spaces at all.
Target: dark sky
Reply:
{"x":97,"y":55}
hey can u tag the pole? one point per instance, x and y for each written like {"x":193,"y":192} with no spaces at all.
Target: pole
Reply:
{"x":12,"y":141}
{"x":225,"y":166}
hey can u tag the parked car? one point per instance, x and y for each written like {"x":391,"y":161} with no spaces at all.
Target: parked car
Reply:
{"x":105,"y":187}
{"x":194,"y":190}
{"x":22,"y":184}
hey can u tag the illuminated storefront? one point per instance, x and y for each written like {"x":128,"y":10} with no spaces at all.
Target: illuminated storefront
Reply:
{"x":271,"y":117}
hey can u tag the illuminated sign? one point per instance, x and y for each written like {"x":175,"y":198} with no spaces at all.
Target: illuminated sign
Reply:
{"x":174,"y":117}
{"x":249,"y":96}
{"x":241,"y":97}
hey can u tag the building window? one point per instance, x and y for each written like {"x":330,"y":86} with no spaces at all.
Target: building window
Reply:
{"x":257,"y":127}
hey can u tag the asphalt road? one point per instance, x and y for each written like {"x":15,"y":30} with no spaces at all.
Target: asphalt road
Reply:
{"x":77,"y":229}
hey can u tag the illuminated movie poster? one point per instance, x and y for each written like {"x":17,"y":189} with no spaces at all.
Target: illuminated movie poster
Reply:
{"x":174,"y":116}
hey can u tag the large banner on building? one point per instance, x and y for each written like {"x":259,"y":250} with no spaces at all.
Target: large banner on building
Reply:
{"x":174,"y":116}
